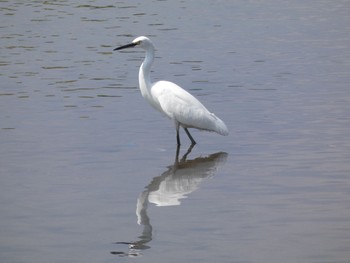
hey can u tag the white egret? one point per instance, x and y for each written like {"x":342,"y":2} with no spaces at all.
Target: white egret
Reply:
{"x":173,"y":101}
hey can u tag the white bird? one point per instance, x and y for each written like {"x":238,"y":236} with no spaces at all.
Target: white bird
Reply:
{"x":168,"y":98}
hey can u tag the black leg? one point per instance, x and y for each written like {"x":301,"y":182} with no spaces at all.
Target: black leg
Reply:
{"x":177,"y":156}
{"x":189,"y":136}
{"x":178,"y":136}
{"x":183,"y":159}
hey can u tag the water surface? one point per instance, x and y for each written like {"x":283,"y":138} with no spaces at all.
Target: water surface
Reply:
{"x":89,"y":172}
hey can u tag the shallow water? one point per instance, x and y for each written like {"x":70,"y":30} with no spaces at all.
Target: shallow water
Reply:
{"x":81,"y":151}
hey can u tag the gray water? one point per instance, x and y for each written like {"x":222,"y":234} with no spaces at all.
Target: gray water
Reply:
{"x":88,"y":171}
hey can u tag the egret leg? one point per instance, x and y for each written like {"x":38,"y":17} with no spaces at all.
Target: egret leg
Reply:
{"x":183,"y":159}
{"x":178,"y":135}
{"x":190,"y":136}
{"x":177,"y":155}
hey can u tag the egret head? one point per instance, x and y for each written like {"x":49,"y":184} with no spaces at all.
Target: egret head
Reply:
{"x":142,"y":42}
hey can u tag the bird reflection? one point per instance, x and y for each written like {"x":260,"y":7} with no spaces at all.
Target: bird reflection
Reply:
{"x":176,"y":183}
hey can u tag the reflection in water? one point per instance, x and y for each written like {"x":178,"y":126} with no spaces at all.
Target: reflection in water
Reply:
{"x":176,"y":183}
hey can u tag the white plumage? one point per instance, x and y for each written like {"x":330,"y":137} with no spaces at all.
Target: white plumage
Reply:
{"x":173,"y":101}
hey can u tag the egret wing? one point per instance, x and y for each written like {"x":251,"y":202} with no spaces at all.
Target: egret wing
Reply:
{"x":182,"y":107}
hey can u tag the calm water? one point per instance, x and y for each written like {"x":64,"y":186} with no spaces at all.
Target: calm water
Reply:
{"x":88,"y":171}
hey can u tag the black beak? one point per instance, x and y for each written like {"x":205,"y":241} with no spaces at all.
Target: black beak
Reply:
{"x":126,"y":46}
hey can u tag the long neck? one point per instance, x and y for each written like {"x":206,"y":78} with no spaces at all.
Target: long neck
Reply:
{"x":144,"y":74}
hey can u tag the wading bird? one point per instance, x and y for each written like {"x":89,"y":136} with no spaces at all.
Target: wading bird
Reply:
{"x":173,"y":101}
